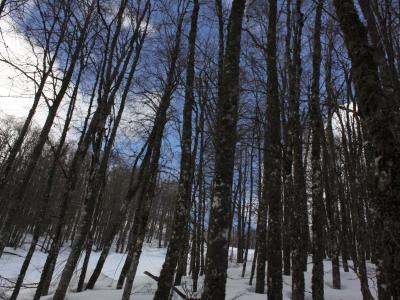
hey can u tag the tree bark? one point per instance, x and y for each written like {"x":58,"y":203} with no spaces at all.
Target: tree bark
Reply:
{"x":300,"y":212}
{"x":248,"y":237}
{"x":217,"y":253}
{"x":317,"y":281}
{"x":185,"y":180}
{"x":150,"y":162}
{"x":379,"y":116}
{"x":272,"y":193}
{"x":330,"y":161}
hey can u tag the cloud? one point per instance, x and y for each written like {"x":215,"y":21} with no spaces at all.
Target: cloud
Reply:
{"x":16,"y":90}
{"x":20,"y":63}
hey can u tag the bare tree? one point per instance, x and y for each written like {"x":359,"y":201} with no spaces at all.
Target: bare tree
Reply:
{"x":185,"y":180}
{"x":379,"y":117}
{"x":217,"y":251}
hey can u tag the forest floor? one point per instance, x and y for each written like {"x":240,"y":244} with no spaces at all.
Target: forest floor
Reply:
{"x":144,"y":287}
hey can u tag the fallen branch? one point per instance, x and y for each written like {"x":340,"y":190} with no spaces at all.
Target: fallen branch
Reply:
{"x":176,"y":290}
{"x":12,"y":253}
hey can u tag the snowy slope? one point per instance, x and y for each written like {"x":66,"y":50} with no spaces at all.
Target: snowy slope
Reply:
{"x":151,"y":260}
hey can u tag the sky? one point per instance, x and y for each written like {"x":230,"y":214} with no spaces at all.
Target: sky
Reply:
{"x":16,"y":91}
{"x":17,"y":94}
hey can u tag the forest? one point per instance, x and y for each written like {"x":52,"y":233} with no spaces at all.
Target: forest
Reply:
{"x":200,"y":149}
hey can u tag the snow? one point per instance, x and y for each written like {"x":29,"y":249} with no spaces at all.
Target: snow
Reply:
{"x":151,"y":260}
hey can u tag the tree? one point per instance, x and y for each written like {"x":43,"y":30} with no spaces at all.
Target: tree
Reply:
{"x":185,"y":180}
{"x":378,"y":115}
{"x":149,"y":167}
{"x":317,"y":186}
{"x":217,"y":251}
{"x":272,"y":162}
{"x":15,"y":205}
{"x":300,"y":213}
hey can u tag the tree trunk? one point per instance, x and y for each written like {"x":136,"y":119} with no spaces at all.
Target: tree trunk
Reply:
{"x":378,"y":114}
{"x":217,"y":253}
{"x":110,"y":233}
{"x":300,"y":213}
{"x":44,"y":134}
{"x":287,"y":128}
{"x":253,"y":265}
{"x":185,"y":180}
{"x":41,"y":215}
{"x":100,"y":168}
{"x":261,"y":233}
{"x":330,"y":160}
{"x":317,"y":281}
{"x":150,"y":163}
{"x":240,"y":212}
{"x":88,"y":251}
{"x":16,"y":147}
{"x":248,"y":237}
{"x":272,"y":193}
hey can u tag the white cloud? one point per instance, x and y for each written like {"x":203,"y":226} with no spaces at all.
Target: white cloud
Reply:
{"x":16,"y":90}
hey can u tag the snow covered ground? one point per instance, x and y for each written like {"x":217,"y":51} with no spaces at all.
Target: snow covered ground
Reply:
{"x":144,"y":287}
